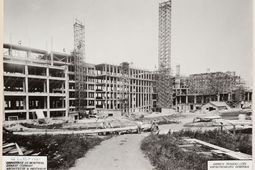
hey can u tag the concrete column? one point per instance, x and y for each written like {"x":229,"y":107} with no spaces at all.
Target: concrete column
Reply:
{"x":248,"y":96}
{"x":195,"y":99}
{"x":140,"y":99}
{"x":150,"y":97}
{"x":187,"y":101}
{"x":26,"y":90}
{"x":48,"y":92}
{"x":51,"y":58}
{"x":106,"y":89}
{"x":45,"y":102}
{"x":130,"y":99}
{"x":66,"y":92}
{"x":135,"y":100}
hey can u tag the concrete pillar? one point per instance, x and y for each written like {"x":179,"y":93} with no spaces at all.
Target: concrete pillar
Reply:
{"x":106,"y":89}
{"x":140,"y":97}
{"x":51,"y":58}
{"x":48,"y":92}
{"x":45,"y":102}
{"x":187,"y":101}
{"x":26,"y":90}
{"x":195,"y":99}
{"x":66,"y":92}
{"x":143,"y":97}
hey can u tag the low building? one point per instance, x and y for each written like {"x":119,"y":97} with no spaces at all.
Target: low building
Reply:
{"x":214,"y":106}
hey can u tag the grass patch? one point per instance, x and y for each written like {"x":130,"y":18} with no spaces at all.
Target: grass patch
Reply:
{"x":164,"y":153}
{"x":61,"y":150}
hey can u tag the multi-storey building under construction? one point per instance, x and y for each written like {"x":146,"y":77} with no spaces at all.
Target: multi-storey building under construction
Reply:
{"x":63,"y":85}
{"x":191,"y":92}
{"x":35,"y":80}
{"x":39,"y":80}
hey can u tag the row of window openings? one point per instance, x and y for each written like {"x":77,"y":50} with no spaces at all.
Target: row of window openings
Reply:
{"x":14,"y":69}
{"x":133,"y":73}
{"x":118,"y":81}
{"x":34,"y":104}
{"x":36,"y":87}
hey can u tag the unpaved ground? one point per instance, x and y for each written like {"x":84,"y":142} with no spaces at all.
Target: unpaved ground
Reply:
{"x":184,"y":118}
{"x":118,"y":153}
{"x":123,"y":152}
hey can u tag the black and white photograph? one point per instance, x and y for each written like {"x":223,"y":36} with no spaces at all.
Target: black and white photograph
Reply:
{"x":127,"y":84}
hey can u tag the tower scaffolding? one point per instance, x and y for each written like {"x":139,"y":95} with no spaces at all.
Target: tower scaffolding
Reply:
{"x":124,"y":101}
{"x":164,"y":80}
{"x":79,"y":58}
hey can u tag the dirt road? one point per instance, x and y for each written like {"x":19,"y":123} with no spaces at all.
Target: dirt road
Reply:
{"x":120,"y":152}
{"x":123,"y":152}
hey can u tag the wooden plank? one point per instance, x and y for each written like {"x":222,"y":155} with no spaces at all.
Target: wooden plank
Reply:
{"x":8,"y":145}
{"x":18,"y":149}
{"x":217,"y":152}
{"x":233,"y":154}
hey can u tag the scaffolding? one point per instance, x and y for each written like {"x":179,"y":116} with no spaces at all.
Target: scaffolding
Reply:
{"x":164,"y":80}
{"x":79,"y":58}
{"x":124,"y":100}
{"x":164,"y":88}
{"x":213,"y":83}
{"x":164,"y":61}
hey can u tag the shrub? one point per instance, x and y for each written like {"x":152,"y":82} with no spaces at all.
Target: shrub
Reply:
{"x":164,"y":153}
{"x":61,"y":150}
{"x":221,"y":138}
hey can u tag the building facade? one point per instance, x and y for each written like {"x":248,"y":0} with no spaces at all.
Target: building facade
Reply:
{"x":39,"y":80}
{"x":193,"y":91}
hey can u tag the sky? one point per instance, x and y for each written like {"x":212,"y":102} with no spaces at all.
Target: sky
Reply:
{"x":206,"y":34}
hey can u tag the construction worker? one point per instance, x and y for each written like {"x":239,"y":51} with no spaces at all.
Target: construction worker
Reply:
{"x":103,"y":125}
{"x":242,"y":103}
{"x":109,"y":125}
{"x":139,"y":126}
{"x":154,"y":128}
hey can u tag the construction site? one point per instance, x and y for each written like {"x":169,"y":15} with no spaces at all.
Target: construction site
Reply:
{"x":59,"y":93}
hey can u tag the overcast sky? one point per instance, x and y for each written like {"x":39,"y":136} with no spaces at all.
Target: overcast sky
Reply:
{"x":215,"y":34}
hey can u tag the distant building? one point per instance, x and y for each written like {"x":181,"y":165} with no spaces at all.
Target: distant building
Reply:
{"x":193,"y":91}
